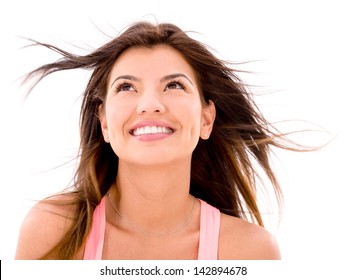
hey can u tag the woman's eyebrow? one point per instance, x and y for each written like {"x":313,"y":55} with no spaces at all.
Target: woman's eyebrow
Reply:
{"x":126,"y":77}
{"x":163,"y":79}
{"x":176,"y":75}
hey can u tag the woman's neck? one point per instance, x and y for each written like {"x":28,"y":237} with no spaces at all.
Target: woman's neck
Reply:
{"x":155,"y":198}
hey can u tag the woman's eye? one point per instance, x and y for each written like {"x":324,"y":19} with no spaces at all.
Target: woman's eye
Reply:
{"x":175,"y":85}
{"x":124,"y":87}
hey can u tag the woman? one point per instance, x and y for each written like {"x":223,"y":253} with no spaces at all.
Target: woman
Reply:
{"x":166,"y":171}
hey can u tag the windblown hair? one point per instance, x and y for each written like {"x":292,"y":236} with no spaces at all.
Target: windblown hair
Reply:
{"x":223,"y":172}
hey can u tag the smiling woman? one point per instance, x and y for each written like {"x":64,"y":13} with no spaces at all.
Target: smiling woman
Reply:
{"x":154,"y":96}
{"x":169,"y":136}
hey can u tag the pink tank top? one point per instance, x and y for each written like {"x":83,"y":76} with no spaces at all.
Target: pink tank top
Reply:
{"x":208,"y":236}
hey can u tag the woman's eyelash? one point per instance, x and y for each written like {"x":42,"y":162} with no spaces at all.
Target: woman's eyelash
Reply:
{"x":122,"y":86}
{"x":176,"y":82}
{"x":126,"y":86}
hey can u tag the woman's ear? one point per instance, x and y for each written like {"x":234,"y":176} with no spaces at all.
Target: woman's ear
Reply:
{"x":208,"y":118}
{"x":103,"y":122}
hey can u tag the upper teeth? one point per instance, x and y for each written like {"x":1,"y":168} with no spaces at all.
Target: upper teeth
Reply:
{"x":151,"y":130}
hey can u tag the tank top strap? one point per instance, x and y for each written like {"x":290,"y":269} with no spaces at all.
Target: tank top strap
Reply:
{"x":209,"y":232}
{"x":94,"y":242}
{"x":208,"y":240}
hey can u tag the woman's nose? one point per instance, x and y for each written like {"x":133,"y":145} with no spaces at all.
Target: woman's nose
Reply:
{"x":150,"y":103}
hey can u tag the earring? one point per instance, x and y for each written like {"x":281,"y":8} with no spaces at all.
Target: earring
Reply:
{"x":105,"y":137}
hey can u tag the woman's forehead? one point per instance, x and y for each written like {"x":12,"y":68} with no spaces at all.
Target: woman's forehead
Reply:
{"x":158,"y":61}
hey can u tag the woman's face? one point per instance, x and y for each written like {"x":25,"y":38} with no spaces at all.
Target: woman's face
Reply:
{"x":153,"y":112}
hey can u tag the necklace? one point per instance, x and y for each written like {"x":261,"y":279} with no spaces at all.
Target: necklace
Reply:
{"x":139,"y":229}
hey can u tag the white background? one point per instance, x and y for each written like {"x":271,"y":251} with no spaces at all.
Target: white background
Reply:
{"x":300,"y":52}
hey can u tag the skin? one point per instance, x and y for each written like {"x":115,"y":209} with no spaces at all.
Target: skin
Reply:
{"x":153,"y":179}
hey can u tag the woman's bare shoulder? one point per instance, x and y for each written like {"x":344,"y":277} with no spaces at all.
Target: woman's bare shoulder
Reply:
{"x":246,"y":241}
{"x":44,"y":225}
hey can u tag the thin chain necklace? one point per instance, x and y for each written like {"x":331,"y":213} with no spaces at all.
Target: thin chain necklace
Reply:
{"x":139,"y":229}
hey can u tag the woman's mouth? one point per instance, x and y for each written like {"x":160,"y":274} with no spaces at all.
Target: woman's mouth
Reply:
{"x":145,"y":130}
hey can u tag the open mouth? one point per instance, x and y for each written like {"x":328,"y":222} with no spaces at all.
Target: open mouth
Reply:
{"x":145,"y":130}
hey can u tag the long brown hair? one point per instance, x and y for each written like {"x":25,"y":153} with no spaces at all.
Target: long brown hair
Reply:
{"x":223,"y":172}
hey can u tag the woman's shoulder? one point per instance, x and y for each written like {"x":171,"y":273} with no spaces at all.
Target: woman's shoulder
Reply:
{"x":246,"y":241}
{"x":44,"y":225}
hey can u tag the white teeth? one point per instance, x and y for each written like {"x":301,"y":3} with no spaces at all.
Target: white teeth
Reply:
{"x":151,"y":130}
